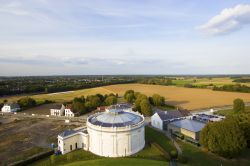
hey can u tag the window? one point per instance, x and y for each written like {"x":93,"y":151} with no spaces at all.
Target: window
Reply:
{"x":70,"y":147}
{"x":76,"y":145}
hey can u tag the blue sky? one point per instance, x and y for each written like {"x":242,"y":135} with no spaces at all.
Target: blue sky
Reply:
{"x":50,"y":37}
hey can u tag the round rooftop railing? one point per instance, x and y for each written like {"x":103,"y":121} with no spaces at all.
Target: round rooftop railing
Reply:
{"x":115,"y":118}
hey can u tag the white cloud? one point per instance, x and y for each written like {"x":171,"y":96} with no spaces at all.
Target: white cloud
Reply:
{"x":229,"y":20}
{"x":14,"y":8}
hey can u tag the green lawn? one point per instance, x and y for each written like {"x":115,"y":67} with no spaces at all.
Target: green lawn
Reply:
{"x":78,"y":155}
{"x":120,"y":162}
{"x":197,"y":157}
{"x":183,"y":82}
{"x":230,"y":111}
{"x":166,"y":107}
{"x":150,"y":152}
{"x":158,"y":137}
{"x":150,"y":155}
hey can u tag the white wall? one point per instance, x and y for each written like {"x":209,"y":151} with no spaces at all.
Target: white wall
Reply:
{"x":69,"y":113}
{"x":56,"y":112}
{"x":64,"y":143}
{"x":156,"y":121}
{"x":116,"y":144}
{"x":7,"y":108}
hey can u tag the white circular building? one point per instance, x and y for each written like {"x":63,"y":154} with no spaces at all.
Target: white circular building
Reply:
{"x":116,"y":132}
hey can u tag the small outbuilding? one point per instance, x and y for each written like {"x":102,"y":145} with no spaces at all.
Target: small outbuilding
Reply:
{"x":12,"y":107}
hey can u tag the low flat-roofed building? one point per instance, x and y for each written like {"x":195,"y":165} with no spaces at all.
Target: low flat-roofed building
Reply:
{"x":187,"y":127}
{"x":203,"y":117}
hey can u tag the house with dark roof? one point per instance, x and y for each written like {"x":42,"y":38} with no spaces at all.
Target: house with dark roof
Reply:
{"x":58,"y":111}
{"x":161,"y":119}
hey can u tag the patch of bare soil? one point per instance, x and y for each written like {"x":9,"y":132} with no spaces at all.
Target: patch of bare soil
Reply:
{"x":24,"y":137}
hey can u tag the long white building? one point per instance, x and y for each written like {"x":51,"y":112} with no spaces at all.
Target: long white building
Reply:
{"x":116,"y":132}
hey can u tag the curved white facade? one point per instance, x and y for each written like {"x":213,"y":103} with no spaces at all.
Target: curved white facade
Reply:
{"x":116,"y":141}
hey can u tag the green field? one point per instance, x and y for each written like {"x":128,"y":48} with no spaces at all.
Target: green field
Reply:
{"x":154,"y":136}
{"x":188,"y":98}
{"x":217,"y":81}
{"x":228,"y":112}
{"x":198,"y":157}
{"x":120,"y":162}
{"x":150,"y":155}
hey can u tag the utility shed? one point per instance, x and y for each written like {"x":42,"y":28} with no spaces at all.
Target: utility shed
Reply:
{"x":187,"y":127}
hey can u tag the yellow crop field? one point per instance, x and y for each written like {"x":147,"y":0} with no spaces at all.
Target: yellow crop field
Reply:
{"x":189,"y":98}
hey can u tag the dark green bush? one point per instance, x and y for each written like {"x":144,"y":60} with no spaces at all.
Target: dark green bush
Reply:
{"x":173,"y":154}
{"x":182,"y":159}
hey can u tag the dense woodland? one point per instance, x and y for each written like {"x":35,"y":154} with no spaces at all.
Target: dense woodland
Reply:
{"x":24,"y":85}
{"x":48,"y":84}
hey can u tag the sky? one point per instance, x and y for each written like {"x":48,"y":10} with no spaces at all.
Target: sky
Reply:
{"x":62,"y":37}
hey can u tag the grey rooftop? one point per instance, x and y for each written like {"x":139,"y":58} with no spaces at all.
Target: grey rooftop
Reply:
{"x":115,"y":118}
{"x":67,"y":133}
{"x":188,"y":124}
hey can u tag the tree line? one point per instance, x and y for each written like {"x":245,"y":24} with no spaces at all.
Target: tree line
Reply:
{"x":27,"y":102}
{"x":25,"y":85}
{"x":84,"y":105}
{"x":142,"y":103}
{"x":233,"y":88}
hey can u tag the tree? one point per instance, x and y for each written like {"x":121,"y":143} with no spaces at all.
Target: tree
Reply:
{"x":244,"y":122}
{"x":101,"y":97}
{"x":129,"y":96}
{"x":138,"y":100}
{"x":145,"y":107}
{"x":110,"y":100}
{"x":128,"y":92}
{"x":158,"y":100}
{"x":26,"y":102}
{"x":79,"y":99}
{"x":79,"y":106}
{"x":224,"y":138}
{"x":94,"y":101}
{"x":204,"y":136}
{"x":239,"y":105}
{"x":173,"y":154}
